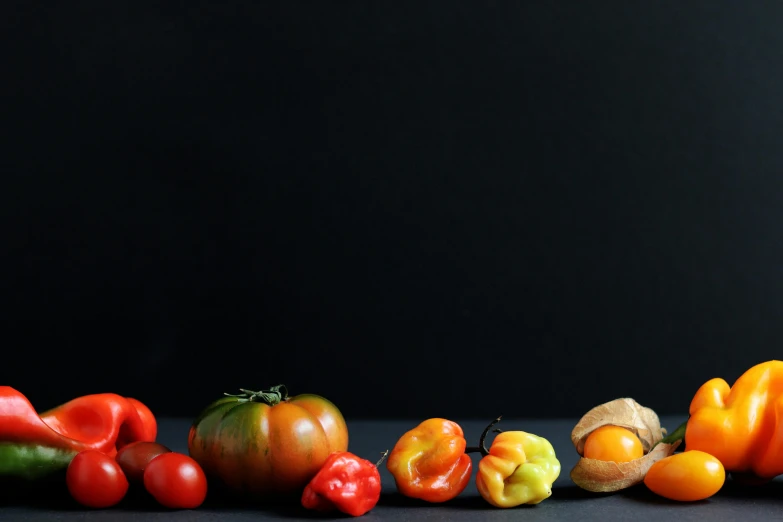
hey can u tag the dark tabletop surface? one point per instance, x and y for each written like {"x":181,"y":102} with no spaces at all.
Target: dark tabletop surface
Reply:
{"x":370,"y":438}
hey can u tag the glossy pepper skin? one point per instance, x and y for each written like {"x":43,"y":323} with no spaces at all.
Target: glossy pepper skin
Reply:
{"x":429,"y":462}
{"x":105,"y":420}
{"x":345,"y":482}
{"x":741,"y":425}
{"x":31,"y":448}
{"x":519,"y":468}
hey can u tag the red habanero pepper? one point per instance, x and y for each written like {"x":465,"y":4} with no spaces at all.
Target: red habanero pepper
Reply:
{"x":345,"y":482}
{"x":31,"y":448}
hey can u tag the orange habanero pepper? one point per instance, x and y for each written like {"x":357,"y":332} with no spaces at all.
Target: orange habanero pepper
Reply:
{"x":741,"y":425}
{"x":429,"y":462}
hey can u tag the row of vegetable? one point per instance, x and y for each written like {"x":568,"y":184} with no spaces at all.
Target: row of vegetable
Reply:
{"x":269,"y":444}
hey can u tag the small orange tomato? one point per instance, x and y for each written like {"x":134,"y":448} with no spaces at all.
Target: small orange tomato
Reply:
{"x":614,"y":444}
{"x":688,"y":476}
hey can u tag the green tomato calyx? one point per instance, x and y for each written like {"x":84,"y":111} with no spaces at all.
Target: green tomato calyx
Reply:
{"x":273,"y":396}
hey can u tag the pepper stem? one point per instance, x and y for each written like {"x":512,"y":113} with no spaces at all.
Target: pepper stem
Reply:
{"x":678,"y":434}
{"x":482,"y":448}
{"x":273,"y":396}
{"x":383,"y":457}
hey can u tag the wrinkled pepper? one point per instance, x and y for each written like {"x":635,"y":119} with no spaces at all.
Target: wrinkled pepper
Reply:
{"x":741,"y":425}
{"x":106,"y":419}
{"x":346,"y":483}
{"x":519,"y":468}
{"x":429,"y":462}
{"x":33,"y":446}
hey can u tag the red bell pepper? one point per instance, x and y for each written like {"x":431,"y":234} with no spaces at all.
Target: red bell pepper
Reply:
{"x":345,"y":482}
{"x":32,"y":446}
{"x":106,"y":420}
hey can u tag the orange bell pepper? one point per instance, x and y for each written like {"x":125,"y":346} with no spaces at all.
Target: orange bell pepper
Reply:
{"x":741,"y":425}
{"x":429,"y":462}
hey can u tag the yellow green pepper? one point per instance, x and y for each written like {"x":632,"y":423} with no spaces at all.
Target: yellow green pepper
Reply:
{"x":519,"y":468}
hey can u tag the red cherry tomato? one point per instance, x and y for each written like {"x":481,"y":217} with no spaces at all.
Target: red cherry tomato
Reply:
{"x":95,"y":480}
{"x":134,"y":458}
{"x":176,"y":481}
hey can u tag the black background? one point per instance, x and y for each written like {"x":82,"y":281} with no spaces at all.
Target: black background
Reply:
{"x":413,"y":208}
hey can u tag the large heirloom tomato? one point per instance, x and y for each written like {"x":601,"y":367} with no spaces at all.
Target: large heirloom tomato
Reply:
{"x":266,"y":442}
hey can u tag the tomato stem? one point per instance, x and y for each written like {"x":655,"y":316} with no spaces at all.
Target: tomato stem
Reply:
{"x":272,"y":396}
{"x":482,"y":448}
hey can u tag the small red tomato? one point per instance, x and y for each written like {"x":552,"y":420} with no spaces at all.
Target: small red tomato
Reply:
{"x":135,"y":457}
{"x":176,"y":481}
{"x":95,"y":480}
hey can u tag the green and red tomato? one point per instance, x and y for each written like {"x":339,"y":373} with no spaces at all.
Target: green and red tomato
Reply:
{"x":266,"y":442}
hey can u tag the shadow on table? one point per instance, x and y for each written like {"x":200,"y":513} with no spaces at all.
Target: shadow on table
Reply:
{"x":641,"y":494}
{"x":732,"y":489}
{"x":46,"y":494}
{"x":52,"y":495}
{"x":395,"y":499}
{"x":572,"y":492}
{"x":279,"y":506}
{"x":476,"y":502}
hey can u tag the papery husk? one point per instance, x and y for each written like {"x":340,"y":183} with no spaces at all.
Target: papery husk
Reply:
{"x":624,"y":412}
{"x":602,"y":476}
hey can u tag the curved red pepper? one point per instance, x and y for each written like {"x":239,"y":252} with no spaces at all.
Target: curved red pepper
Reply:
{"x":345,"y":482}
{"x":106,"y":421}
{"x":19,"y":422}
{"x":32,"y":446}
